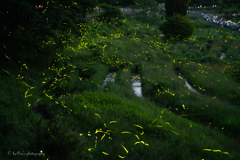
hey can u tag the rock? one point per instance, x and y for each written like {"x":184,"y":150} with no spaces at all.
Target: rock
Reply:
{"x":222,"y":56}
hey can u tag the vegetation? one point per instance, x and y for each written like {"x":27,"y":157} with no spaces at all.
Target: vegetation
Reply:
{"x":62,"y":111}
{"x":174,"y":7}
{"x":210,"y":3}
{"x":27,"y":25}
{"x":178,"y":27}
{"x":110,"y":14}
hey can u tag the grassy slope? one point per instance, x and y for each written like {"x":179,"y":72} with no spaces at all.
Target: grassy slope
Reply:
{"x":113,"y":119}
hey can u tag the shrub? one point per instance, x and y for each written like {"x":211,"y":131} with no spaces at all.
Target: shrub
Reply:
{"x":196,"y":52}
{"x":192,"y":56}
{"x":178,"y":27}
{"x":232,"y":53}
{"x":208,"y":46}
{"x":210,"y":59}
{"x":224,"y":47}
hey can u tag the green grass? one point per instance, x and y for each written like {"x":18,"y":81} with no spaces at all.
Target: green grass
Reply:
{"x":111,"y":107}
{"x":213,"y":82}
{"x":82,"y":120}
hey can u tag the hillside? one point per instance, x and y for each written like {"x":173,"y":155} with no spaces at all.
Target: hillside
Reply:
{"x":65,"y":111}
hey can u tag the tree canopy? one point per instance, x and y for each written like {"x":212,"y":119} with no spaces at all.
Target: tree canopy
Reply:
{"x":25,"y":25}
{"x":176,"y":7}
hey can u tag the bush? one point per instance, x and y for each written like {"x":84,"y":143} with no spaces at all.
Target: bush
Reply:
{"x":178,"y":27}
{"x":208,"y":46}
{"x":193,"y":55}
{"x":111,"y":14}
{"x":216,"y":52}
{"x":224,"y":47}
{"x":210,"y":59}
{"x":232,"y":53}
{"x":235,"y":72}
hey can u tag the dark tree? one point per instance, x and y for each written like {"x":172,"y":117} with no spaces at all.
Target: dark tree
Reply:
{"x":125,"y":3}
{"x":110,"y":2}
{"x":174,"y":7}
{"x":178,"y":27}
{"x":26,"y":24}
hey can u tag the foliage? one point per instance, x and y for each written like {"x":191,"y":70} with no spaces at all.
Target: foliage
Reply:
{"x":174,"y":7}
{"x":123,"y":3}
{"x":161,"y":8}
{"x":210,"y":59}
{"x":203,"y":3}
{"x":238,"y":6}
{"x":84,"y":120}
{"x":204,"y":24}
{"x":231,"y":10}
{"x":111,"y":13}
{"x":152,"y":20}
{"x":178,"y":27}
{"x":235,"y":72}
{"x":109,"y":2}
{"x":214,"y":2}
{"x":146,"y":6}
{"x":28,"y":32}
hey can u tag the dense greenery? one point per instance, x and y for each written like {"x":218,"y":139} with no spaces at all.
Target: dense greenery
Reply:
{"x":203,"y":2}
{"x":146,"y":6}
{"x":174,"y":7}
{"x":213,"y":2}
{"x":65,"y":112}
{"x":25,"y":28}
{"x":111,"y":14}
{"x":178,"y":27}
{"x":122,"y":3}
